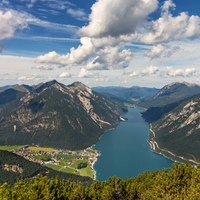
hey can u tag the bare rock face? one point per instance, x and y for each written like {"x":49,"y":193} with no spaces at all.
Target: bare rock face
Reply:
{"x":179,"y":130}
{"x":13,"y":168}
{"x":56,"y":115}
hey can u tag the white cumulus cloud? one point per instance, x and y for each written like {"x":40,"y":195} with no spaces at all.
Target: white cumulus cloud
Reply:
{"x":9,"y":23}
{"x":155,"y":51}
{"x":104,"y":35}
{"x":149,"y":70}
{"x":65,"y":74}
{"x":170,"y":72}
{"x":76,"y":56}
{"x":134,"y":74}
{"x":84,"y":73}
{"x":110,"y":57}
{"x":116,"y":18}
{"x":33,"y":77}
{"x":43,"y":67}
{"x":168,"y":27}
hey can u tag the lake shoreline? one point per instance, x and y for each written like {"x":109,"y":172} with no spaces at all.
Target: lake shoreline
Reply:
{"x":167,"y":154}
{"x":93,"y":146}
{"x":126,"y":140}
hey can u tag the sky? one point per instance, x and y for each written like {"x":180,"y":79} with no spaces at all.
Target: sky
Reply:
{"x":148,"y":43}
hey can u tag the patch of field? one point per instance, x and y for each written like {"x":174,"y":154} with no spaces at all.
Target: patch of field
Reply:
{"x":90,"y":150}
{"x":67,"y":170}
{"x":8,"y":148}
{"x":62,"y":169}
{"x":63,"y":162}
{"x":55,"y":167}
{"x":41,"y":149}
{"x":43,"y":157}
{"x":87,"y":171}
{"x":75,"y":165}
{"x":70,"y":157}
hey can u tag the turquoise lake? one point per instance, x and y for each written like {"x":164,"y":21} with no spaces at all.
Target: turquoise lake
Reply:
{"x":125,"y":151}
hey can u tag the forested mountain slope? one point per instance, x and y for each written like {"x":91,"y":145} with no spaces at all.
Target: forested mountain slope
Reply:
{"x":179,"y":130}
{"x":153,"y":114}
{"x":171,"y":93}
{"x":55,"y":115}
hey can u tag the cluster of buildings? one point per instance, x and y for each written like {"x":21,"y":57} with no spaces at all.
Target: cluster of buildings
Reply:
{"x":32,"y":155}
{"x":28,"y":154}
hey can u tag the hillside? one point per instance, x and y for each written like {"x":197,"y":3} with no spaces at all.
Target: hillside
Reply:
{"x":179,"y":182}
{"x":59,"y":116}
{"x":9,"y":100}
{"x":134,"y":94}
{"x":24,"y":88}
{"x":13,"y":167}
{"x":178,"y":130}
{"x":171,"y":93}
{"x":9,"y":95}
{"x":153,"y":114}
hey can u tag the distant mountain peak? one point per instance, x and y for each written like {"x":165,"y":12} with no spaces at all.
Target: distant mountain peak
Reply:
{"x":178,"y":83}
{"x":24,"y":88}
{"x":190,"y":84}
{"x":80,"y":86}
{"x":170,"y":85}
{"x":171,"y":93}
{"x":46,"y":85}
{"x":51,"y":82}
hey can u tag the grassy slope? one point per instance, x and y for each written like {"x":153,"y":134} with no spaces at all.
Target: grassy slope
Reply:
{"x":8,"y":148}
{"x":41,"y":149}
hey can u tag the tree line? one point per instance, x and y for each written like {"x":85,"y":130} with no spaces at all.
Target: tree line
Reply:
{"x":178,"y":182}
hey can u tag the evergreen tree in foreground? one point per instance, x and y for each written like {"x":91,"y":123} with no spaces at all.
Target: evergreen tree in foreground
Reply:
{"x":178,"y":182}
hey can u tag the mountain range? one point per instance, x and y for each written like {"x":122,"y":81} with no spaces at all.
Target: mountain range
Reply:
{"x":75,"y":116}
{"x":130,"y":95}
{"x":175,"y":116}
{"x":171,"y":93}
{"x":55,"y":115}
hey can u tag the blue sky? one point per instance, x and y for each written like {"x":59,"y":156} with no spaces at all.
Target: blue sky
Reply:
{"x":100,"y":43}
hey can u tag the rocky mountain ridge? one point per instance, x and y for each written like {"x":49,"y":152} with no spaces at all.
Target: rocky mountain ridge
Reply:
{"x":131,"y":95}
{"x":56,"y":115}
{"x":171,"y":93}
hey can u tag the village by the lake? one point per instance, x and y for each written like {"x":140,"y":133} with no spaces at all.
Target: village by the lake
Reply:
{"x":80,"y":162}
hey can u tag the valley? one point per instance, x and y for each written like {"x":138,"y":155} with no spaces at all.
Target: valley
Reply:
{"x":99,"y":100}
{"x":64,"y":121}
